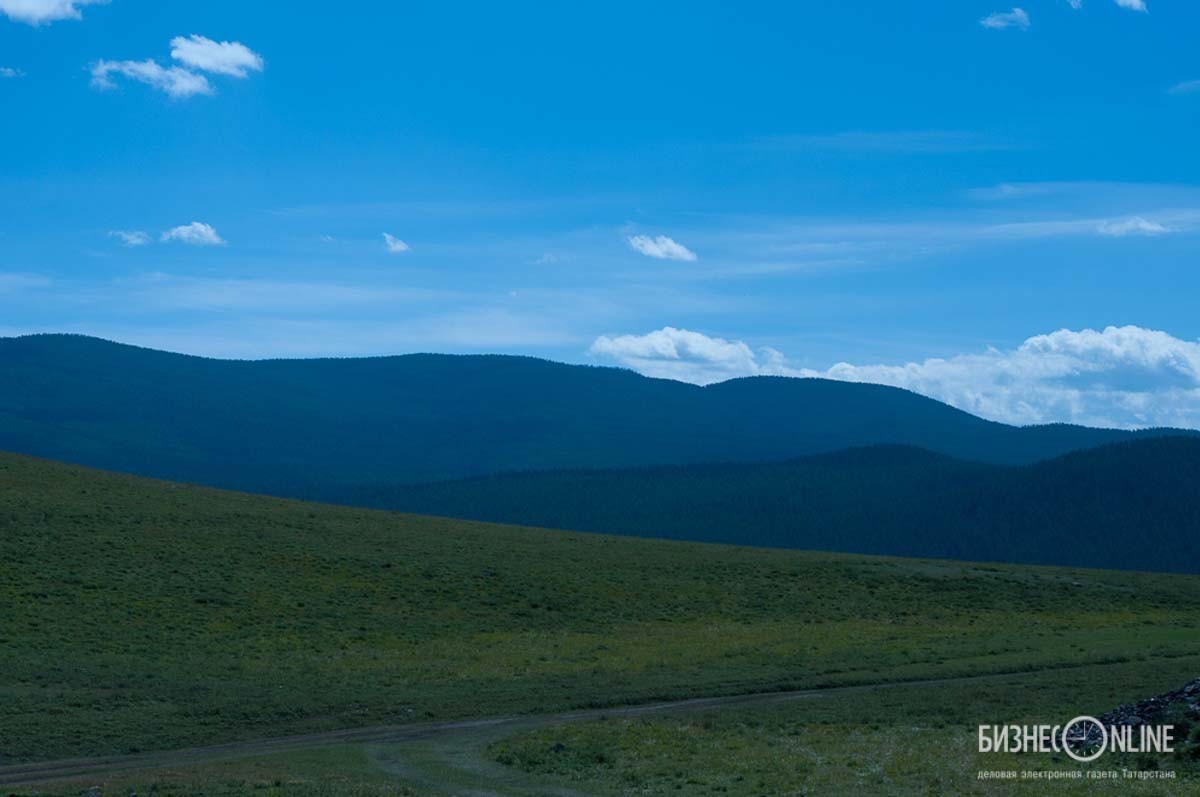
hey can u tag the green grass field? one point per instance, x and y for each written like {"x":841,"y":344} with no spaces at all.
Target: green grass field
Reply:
{"x":900,"y":740}
{"x":333,"y":772}
{"x":141,"y":615}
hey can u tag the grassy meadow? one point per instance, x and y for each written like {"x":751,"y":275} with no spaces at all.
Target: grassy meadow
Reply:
{"x":341,"y":771}
{"x":900,"y":740}
{"x":142,"y":615}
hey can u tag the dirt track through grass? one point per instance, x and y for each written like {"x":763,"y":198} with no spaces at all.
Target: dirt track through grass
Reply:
{"x":43,"y":772}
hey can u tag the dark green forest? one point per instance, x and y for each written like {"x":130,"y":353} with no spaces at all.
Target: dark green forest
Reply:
{"x":1133,"y":505}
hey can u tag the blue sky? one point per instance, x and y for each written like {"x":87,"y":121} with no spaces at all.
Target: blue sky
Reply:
{"x":998,"y":206}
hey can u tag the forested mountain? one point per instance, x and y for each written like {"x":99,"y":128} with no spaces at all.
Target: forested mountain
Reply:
{"x":297,"y":426}
{"x":1133,"y":505}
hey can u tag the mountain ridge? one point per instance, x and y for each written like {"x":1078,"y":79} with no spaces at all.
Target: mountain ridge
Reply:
{"x":288,"y":427}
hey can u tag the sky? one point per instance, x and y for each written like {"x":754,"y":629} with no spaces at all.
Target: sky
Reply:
{"x":994,"y":205}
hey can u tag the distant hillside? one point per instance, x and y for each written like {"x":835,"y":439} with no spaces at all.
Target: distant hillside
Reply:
{"x":142,"y":615}
{"x":291,"y":427}
{"x":1133,"y":505}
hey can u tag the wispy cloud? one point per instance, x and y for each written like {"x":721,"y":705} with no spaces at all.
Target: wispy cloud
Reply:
{"x":266,"y":296}
{"x":394,"y":245}
{"x":1118,"y":377}
{"x":196,"y":53}
{"x":195,"y":234}
{"x":1132,"y":5}
{"x":175,"y":82}
{"x":824,"y":239}
{"x":10,"y":283}
{"x":745,"y":247}
{"x":1186,"y":87}
{"x":1134,"y":225}
{"x":1005,"y":191}
{"x":223,"y":58}
{"x":901,"y":141}
{"x":40,"y":12}
{"x":661,"y":248}
{"x":10,"y":72}
{"x":1017,"y":18}
{"x":131,"y":238}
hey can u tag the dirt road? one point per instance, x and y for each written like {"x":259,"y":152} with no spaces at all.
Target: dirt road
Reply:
{"x":20,"y":774}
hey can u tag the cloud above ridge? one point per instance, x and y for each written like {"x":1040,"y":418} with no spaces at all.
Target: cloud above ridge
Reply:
{"x":1124,"y":377}
{"x":679,"y":354}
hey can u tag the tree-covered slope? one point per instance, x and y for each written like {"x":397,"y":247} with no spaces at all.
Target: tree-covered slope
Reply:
{"x":292,"y":426}
{"x":1133,"y":505}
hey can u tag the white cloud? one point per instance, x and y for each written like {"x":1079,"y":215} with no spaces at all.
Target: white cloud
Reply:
{"x":196,"y":53}
{"x":131,"y":238}
{"x":223,"y":58}
{"x":394,"y":245}
{"x":1134,"y":225}
{"x":1133,"y":5}
{"x":1123,"y":377}
{"x":679,"y":354}
{"x":194,"y":234}
{"x":1186,"y":87}
{"x":661,"y":247}
{"x":38,"y":12}
{"x":176,"y":82}
{"x":8,"y":71}
{"x":1017,"y":18}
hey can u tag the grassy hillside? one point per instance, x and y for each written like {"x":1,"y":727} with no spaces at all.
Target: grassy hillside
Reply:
{"x":146,"y":615}
{"x":1128,"y":506}
{"x":291,"y":427}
